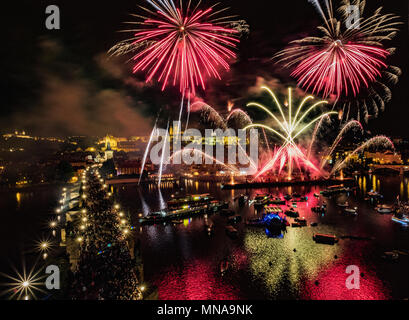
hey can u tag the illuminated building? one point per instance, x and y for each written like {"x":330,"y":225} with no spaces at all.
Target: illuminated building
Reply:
{"x":384,"y":158}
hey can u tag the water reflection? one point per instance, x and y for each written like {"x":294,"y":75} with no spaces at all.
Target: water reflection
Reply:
{"x":175,"y":256}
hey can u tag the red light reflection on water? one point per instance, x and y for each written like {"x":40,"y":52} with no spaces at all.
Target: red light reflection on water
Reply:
{"x":332,"y":285}
{"x":195,"y":280}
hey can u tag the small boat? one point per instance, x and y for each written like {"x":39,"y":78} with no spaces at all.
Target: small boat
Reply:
{"x":296,"y":225}
{"x":384,"y":208}
{"x":288,"y":197}
{"x":261,"y":199}
{"x":401,"y":218}
{"x":374,"y":194}
{"x":343,"y":204}
{"x":192,"y":200}
{"x":302,"y":221}
{"x":316,"y":195}
{"x":333,"y":190}
{"x":232,"y":232}
{"x":314,"y":224}
{"x":390,"y":255}
{"x":325,"y":238}
{"x":353,"y":211}
{"x":296,"y":195}
{"x":177,"y":221}
{"x":291,"y":213}
{"x":272,"y":209}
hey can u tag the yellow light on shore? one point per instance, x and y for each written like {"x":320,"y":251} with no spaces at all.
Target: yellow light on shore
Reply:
{"x":80,"y":239}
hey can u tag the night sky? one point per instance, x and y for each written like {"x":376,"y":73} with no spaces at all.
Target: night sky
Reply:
{"x":61,"y":82}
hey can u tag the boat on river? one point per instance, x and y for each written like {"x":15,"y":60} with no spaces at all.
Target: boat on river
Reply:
{"x":291,"y":213}
{"x":385,"y":209}
{"x":401,"y":218}
{"x":334,"y":190}
{"x":272,"y":209}
{"x":351,"y":211}
{"x":374,"y":195}
{"x":343,"y":204}
{"x":261,"y":199}
{"x":193,"y":200}
{"x":325,"y":238}
{"x":174,"y":215}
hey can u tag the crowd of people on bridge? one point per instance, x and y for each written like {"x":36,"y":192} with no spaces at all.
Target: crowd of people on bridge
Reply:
{"x":105,"y":270}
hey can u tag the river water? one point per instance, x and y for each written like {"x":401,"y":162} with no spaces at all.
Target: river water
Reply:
{"x":182,"y":261}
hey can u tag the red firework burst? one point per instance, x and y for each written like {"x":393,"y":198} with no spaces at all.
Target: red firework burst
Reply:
{"x":340,"y":68}
{"x":345,"y":61}
{"x":182,"y":46}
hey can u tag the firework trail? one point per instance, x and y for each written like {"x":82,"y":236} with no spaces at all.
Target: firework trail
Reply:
{"x":203,"y":154}
{"x":239,"y":114}
{"x":314,"y":134}
{"x":145,"y":207}
{"x":380,"y":141}
{"x":210,"y":115}
{"x":348,"y":126}
{"x":347,"y":63}
{"x":163,"y":156}
{"x":147,"y":151}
